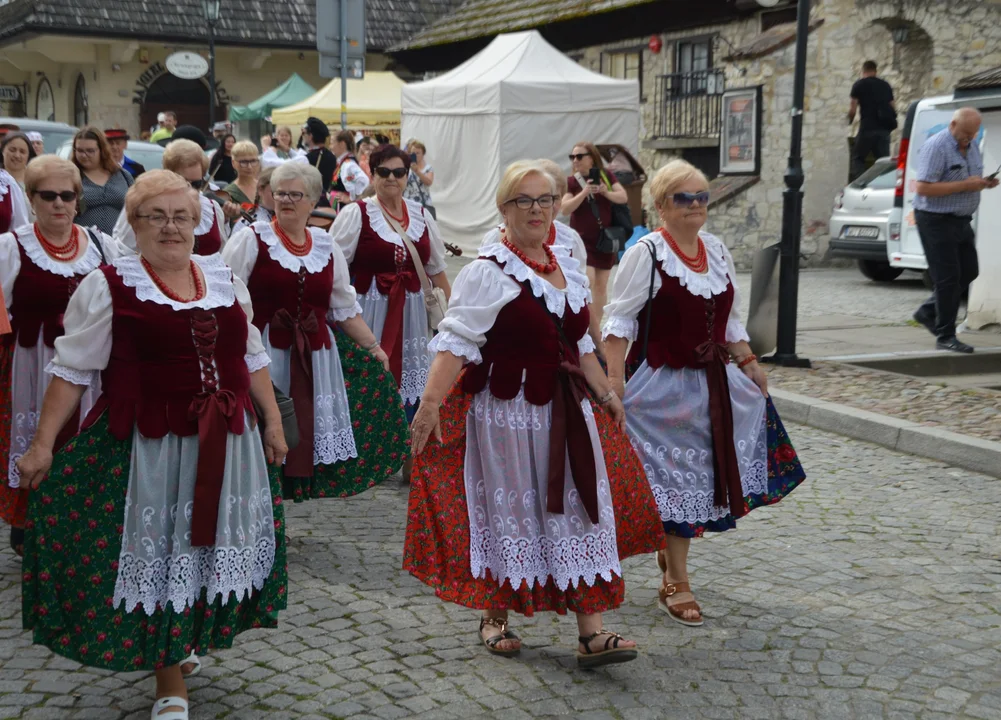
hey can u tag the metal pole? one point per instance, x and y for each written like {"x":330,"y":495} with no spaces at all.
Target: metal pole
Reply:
{"x":792,"y":207}
{"x":344,"y":64}
{"x":211,"y":75}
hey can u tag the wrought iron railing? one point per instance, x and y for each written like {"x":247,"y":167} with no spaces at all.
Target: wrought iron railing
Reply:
{"x":688,"y":104}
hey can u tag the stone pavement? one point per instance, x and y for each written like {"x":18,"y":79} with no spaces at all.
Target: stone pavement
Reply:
{"x":873,"y":591}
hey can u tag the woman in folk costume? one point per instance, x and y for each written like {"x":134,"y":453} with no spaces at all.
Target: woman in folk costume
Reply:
{"x":518,"y":506}
{"x":352,"y":428}
{"x":158,"y":531}
{"x":697,"y":405}
{"x":264,"y":207}
{"x":40,"y":267}
{"x":375,"y":236}
{"x":14,"y":209}
{"x":349,"y":180}
{"x":185,"y":158}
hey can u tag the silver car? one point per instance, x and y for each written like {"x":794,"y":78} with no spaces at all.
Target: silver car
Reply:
{"x":860,"y":221}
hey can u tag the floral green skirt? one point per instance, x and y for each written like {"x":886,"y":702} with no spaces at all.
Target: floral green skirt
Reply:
{"x":72,"y":545}
{"x":382,"y":437}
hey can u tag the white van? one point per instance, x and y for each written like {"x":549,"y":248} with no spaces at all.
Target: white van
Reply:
{"x":925,"y":118}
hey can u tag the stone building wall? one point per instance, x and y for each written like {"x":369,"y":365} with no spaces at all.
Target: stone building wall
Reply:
{"x":946,"y":42}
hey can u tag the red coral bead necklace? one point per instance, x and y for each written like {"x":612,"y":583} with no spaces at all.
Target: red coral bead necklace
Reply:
{"x":196,"y":282}
{"x":298,"y":250}
{"x":62,"y":253}
{"x":546,"y":268}
{"x":698,"y":264}
{"x":403,"y":220}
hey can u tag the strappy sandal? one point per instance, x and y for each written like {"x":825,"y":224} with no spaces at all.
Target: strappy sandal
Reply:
{"x":17,"y":540}
{"x":192,"y":659}
{"x":492,"y":642}
{"x":677,"y":611}
{"x":163,"y":703}
{"x":611,"y":653}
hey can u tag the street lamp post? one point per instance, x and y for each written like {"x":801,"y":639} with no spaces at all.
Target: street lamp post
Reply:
{"x":792,"y":206}
{"x":211,"y":9}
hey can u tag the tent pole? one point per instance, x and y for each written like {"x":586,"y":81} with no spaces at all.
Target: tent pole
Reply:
{"x":344,"y":64}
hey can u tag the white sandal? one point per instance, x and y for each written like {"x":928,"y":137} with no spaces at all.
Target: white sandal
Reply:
{"x":192,"y":659}
{"x":164,"y":703}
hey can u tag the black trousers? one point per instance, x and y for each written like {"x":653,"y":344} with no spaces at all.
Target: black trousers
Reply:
{"x":949,"y":244}
{"x":875,"y":141}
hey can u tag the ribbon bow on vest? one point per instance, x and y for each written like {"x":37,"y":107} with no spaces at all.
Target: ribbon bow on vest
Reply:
{"x":213,"y":411}
{"x":395,"y":285}
{"x":727,"y":490}
{"x":299,"y":461}
{"x":569,"y":436}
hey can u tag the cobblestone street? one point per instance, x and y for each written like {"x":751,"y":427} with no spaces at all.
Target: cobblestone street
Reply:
{"x":873,"y":591}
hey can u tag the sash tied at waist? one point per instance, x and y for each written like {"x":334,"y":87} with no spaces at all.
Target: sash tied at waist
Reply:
{"x":213,"y":411}
{"x":394,"y":284}
{"x":569,"y":435}
{"x":299,"y":461}
{"x":727,"y":490}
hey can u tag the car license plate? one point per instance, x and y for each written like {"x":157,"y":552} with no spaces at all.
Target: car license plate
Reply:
{"x":861,"y":232}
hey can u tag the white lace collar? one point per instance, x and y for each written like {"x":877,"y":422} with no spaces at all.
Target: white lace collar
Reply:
{"x":377,"y":221}
{"x":90,"y":259}
{"x":576,"y":293}
{"x":318,"y":258}
{"x":219,"y":291}
{"x":705,"y":285}
{"x":6,"y":180}
{"x":208,"y":216}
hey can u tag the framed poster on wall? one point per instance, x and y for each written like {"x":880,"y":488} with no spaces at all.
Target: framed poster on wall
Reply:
{"x":740,"y":132}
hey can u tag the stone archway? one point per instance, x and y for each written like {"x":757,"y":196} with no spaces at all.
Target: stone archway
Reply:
{"x":189,"y":99}
{"x":905,"y":53}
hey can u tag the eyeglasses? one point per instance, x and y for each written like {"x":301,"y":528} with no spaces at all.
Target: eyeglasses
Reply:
{"x":67,"y":196}
{"x":579,"y":156}
{"x":247,"y":163}
{"x":385,"y":172}
{"x":293,"y":197}
{"x":525,"y":203}
{"x":197,"y":184}
{"x":86,"y":151}
{"x":684,"y":199}
{"x":181,"y":222}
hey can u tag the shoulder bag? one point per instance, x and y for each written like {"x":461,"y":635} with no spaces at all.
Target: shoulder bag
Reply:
{"x":290,"y":424}
{"x":649,"y":300}
{"x":434,"y":297}
{"x":610,"y":239}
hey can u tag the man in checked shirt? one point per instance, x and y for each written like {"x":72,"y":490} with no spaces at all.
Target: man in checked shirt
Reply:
{"x":949,"y":181}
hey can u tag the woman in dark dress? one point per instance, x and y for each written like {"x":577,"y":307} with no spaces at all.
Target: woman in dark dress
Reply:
{"x":582,"y":196}
{"x":221,"y":170}
{"x":104,"y":181}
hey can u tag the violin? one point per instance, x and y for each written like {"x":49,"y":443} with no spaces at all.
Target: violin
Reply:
{"x":453,"y":249}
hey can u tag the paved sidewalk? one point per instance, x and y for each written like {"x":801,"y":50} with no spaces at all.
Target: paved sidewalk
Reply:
{"x":871,"y":592}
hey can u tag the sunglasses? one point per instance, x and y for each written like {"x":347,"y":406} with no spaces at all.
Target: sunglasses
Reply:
{"x":684,"y":199}
{"x":197,"y":184}
{"x":579,"y":156}
{"x":385,"y":172}
{"x":67,"y":196}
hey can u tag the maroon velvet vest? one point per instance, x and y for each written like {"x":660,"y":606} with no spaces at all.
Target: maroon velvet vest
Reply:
{"x":524,"y":343}
{"x":680,"y":324}
{"x":384,"y":261}
{"x":211,"y":242}
{"x":38,"y":302}
{"x":6,"y":211}
{"x":161,"y":365}
{"x":305,"y":296}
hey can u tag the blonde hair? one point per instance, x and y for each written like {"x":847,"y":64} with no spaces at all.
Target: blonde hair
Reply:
{"x":243,"y":148}
{"x":46,"y":166}
{"x":154,"y":183}
{"x":418,"y":145}
{"x":180,"y":154}
{"x":672,"y":176}
{"x":515,"y":174}
{"x":556,"y":173}
{"x":284,"y":128}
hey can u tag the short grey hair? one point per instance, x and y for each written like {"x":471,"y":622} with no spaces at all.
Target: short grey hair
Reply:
{"x":309,"y":175}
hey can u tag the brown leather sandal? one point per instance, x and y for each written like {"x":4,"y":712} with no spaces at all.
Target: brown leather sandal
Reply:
{"x":491,"y":643}
{"x":611,"y":652}
{"x":677,"y":610}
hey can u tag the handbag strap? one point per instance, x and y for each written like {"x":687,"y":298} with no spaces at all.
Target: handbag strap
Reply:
{"x":649,"y":311}
{"x":591,"y":202}
{"x":421,"y":272}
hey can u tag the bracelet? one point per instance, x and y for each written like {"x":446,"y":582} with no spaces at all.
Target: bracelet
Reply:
{"x":371,"y":347}
{"x":606,"y":398}
{"x":746,"y":360}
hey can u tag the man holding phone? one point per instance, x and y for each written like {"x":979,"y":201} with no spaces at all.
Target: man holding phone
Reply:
{"x":949,"y":182}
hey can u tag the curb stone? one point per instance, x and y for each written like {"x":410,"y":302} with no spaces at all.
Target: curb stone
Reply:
{"x":911,"y":438}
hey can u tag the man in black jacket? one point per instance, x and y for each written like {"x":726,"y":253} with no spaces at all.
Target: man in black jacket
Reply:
{"x":879,"y":117}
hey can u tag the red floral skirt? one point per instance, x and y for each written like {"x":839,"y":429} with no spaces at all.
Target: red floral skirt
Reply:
{"x":437,"y":540}
{"x":13,"y":501}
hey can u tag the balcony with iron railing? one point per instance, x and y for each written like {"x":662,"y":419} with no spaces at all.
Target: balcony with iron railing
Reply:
{"x":687,"y":108}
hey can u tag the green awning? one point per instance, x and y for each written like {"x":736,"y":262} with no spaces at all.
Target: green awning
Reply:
{"x":288,"y":93}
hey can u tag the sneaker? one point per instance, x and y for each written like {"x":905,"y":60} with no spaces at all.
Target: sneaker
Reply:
{"x":953,"y":345}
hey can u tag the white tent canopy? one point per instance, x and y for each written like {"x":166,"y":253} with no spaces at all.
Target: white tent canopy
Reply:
{"x":518,"y":98}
